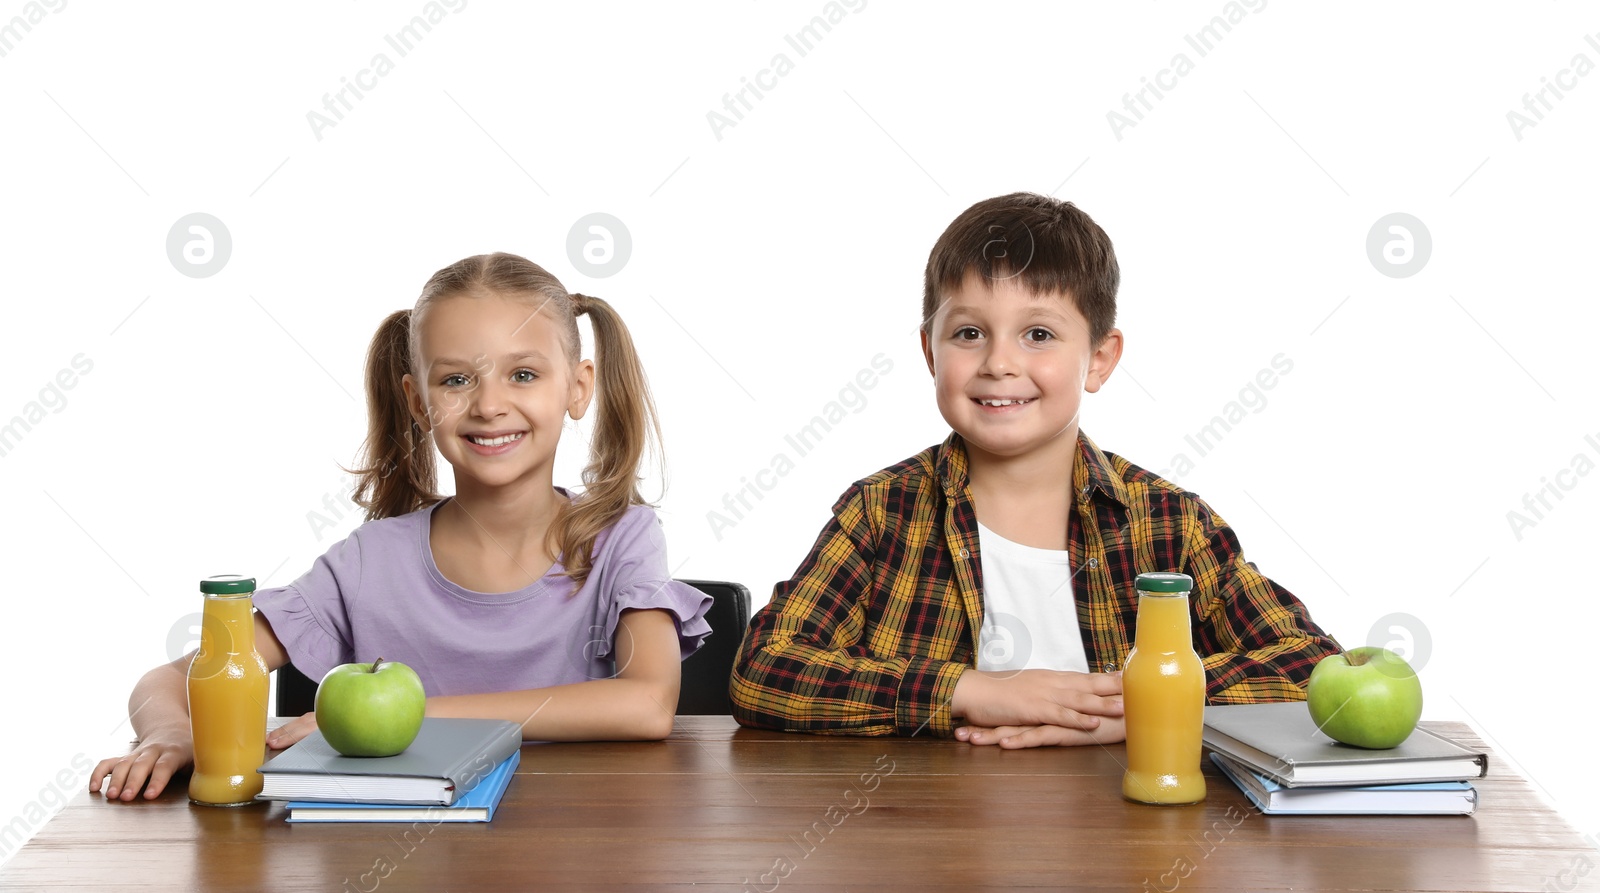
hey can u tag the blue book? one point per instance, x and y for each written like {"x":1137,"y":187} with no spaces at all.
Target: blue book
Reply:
{"x":477,"y":805}
{"x":1272,"y":798}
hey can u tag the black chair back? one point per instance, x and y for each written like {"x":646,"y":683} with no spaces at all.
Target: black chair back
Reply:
{"x":705,"y":673}
{"x":297,"y":693}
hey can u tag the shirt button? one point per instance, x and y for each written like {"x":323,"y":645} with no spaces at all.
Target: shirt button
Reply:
{"x":1109,"y":668}
{"x":963,"y":553}
{"x":1094,"y":562}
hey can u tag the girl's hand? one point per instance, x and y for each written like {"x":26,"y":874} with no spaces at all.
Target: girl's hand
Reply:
{"x":292,"y":731}
{"x":150,"y":766}
{"x":159,"y":711}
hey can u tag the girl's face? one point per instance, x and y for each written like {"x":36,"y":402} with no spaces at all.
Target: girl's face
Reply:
{"x":494,"y":385}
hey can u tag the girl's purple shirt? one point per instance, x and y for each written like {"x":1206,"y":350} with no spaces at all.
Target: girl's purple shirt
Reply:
{"x":378,"y":593}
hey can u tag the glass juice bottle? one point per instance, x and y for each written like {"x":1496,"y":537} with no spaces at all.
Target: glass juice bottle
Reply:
{"x":227,"y":697}
{"x":1163,"y":697}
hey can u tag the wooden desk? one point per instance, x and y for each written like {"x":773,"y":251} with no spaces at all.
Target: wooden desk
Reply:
{"x":721,"y":808}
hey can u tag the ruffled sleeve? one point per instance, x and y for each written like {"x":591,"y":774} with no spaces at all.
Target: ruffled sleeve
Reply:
{"x":630,"y":571}
{"x":686,"y":604}
{"x":309,"y":616}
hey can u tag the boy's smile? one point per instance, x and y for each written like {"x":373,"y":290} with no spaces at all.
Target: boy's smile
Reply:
{"x":1010,"y":367}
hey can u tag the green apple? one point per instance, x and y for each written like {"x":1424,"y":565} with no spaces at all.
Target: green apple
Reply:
{"x":370,"y":710}
{"x":1368,"y":697}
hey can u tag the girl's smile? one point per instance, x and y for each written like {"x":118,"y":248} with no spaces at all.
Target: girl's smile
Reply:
{"x":494,"y":443}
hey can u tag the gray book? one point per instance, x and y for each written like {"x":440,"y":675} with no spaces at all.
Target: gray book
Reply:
{"x":447,"y":760}
{"x":1282,"y":742}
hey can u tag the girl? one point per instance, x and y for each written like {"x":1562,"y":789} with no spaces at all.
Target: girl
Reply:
{"x":512,"y":599}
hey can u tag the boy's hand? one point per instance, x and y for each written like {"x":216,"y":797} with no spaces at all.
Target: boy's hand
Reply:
{"x":1029,"y":698}
{"x":1110,"y":731}
{"x":150,"y":766}
{"x":291,"y":731}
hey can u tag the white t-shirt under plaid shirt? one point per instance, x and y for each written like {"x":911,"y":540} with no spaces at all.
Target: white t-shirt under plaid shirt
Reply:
{"x":1030,"y":618}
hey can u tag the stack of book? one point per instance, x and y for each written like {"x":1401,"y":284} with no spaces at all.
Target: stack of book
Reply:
{"x":1284,"y":764}
{"x":455,"y":771}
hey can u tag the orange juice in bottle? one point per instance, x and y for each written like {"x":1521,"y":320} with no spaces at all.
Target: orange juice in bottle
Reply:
{"x":1163,"y":697}
{"x":227,"y":697}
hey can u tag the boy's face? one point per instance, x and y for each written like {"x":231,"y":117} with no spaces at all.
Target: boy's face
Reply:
{"x":1010,"y":367}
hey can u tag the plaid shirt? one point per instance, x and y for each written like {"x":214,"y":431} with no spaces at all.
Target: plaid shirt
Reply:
{"x":874,"y":629}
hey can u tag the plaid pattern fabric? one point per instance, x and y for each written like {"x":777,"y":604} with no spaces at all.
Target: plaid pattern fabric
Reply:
{"x":880,"y":620}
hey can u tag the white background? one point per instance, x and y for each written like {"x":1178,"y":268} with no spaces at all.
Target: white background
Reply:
{"x":773,"y":260}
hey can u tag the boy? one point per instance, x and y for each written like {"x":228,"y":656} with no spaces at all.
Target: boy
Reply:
{"x":985,"y":588}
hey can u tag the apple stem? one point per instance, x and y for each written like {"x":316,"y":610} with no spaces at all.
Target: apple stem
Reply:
{"x":375,"y":664}
{"x":1355,"y":660}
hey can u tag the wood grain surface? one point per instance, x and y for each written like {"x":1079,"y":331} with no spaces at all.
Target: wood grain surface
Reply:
{"x":716,"y":807}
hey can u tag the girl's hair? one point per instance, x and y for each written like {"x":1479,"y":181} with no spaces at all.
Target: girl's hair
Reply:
{"x":398,"y":475}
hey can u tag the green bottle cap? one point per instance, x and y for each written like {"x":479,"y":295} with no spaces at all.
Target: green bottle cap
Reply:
{"x":228,"y":584}
{"x":1164,"y":582}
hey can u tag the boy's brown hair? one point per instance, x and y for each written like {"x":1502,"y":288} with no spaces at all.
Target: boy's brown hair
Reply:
{"x":1049,"y":244}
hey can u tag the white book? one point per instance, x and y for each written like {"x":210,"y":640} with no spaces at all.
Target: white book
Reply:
{"x":1272,"y":798}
